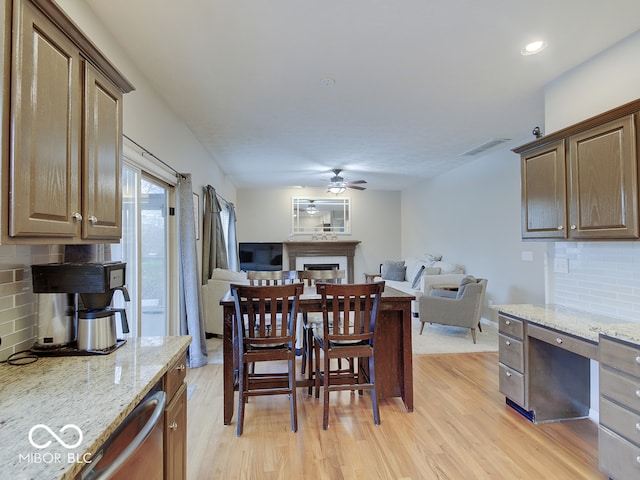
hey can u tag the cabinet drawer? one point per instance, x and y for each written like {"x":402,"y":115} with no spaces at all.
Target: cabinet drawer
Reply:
{"x":174,"y":378}
{"x":618,"y":458}
{"x":620,"y":356}
{"x":511,"y":326}
{"x":618,"y":387}
{"x":564,"y":341}
{"x":512,"y":384}
{"x":511,"y":352}
{"x":620,"y":420}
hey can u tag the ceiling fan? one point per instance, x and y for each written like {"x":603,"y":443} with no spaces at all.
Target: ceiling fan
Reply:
{"x":338,"y":185}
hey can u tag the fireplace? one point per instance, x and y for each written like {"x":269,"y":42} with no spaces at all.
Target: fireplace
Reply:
{"x":323,"y":252}
{"x":321,"y":266}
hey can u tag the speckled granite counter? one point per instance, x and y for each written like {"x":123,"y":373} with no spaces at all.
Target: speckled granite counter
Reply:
{"x":575,"y":322}
{"x":93,"y":393}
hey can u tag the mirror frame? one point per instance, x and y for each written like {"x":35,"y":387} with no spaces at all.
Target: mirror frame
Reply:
{"x":338,"y":206}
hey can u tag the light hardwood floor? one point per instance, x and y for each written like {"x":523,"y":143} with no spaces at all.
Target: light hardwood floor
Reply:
{"x":460,"y":429}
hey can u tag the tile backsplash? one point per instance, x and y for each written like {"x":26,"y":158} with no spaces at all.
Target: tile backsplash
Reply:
{"x":18,"y":321}
{"x":602,"y":277}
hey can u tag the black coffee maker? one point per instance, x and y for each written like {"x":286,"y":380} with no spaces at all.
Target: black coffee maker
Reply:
{"x":89,"y":320}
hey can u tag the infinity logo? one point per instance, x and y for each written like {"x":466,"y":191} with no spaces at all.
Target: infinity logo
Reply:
{"x":58,"y":439}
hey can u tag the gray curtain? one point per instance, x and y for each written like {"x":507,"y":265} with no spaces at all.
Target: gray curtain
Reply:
{"x":214,"y":251}
{"x":234,"y":260}
{"x":192,"y":316}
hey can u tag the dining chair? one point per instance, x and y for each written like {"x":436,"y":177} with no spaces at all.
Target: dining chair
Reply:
{"x":265,"y":322}
{"x":309,"y":322}
{"x":350,"y":336}
{"x":271,"y":277}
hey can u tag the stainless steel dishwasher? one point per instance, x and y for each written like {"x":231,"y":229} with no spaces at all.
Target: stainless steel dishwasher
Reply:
{"x":135,"y":449}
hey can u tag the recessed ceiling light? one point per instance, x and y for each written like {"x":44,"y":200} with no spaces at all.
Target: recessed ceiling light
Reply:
{"x":533,"y":48}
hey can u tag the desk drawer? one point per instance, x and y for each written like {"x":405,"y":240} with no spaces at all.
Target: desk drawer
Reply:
{"x":620,"y":420}
{"x":618,"y":458}
{"x":511,"y":352}
{"x":618,"y":387}
{"x":511,"y":326}
{"x":620,"y":356}
{"x":564,"y":341}
{"x":512,"y":384}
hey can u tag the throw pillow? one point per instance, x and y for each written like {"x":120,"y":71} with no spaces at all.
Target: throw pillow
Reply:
{"x":432,"y":271}
{"x":464,"y":282}
{"x":393,"y":270}
{"x":416,"y":279}
{"x":432,"y":257}
{"x":229,"y":275}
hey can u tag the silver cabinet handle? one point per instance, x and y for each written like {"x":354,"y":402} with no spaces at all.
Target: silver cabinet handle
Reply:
{"x":573,"y":227}
{"x":507,"y":322}
{"x":173,"y":426}
{"x":638,"y":393}
{"x":77,"y":217}
{"x":93,"y":219}
{"x":638,"y":359}
{"x":638,"y":426}
{"x":180,"y":367}
{"x":560,"y":227}
{"x":558,"y":340}
{"x":508,"y":374}
{"x":507,"y":343}
{"x":638,"y":459}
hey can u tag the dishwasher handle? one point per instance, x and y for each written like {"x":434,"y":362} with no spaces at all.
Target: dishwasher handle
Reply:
{"x":160,"y":398}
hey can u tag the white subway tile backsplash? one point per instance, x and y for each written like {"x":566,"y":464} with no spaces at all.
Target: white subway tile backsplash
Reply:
{"x":604,"y":277}
{"x":18,"y":319}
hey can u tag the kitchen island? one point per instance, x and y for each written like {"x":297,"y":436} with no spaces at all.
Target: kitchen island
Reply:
{"x":93,"y":394}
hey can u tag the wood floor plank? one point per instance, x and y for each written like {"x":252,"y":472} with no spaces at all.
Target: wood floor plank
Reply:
{"x":461,"y":428}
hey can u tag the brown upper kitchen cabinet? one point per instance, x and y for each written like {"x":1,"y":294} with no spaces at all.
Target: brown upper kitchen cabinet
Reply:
{"x":582,"y":182}
{"x":544,"y":192}
{"x":62,"y":125}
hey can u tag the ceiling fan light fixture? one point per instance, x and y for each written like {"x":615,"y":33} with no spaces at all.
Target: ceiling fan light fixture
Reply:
{"x":312,"y":209}
{"x":336,"y":189}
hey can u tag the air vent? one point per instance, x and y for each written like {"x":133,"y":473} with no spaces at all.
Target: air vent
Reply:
{"x":485,"y":146}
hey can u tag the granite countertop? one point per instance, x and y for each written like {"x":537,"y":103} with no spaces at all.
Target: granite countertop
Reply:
{"x":93,"y":394}
{"x":576,"y":322}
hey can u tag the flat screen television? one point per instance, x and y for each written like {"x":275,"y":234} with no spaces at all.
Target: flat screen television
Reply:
{"x":260,"y":255}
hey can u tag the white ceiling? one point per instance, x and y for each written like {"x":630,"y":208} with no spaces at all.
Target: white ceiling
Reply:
{"x":417,"y":82}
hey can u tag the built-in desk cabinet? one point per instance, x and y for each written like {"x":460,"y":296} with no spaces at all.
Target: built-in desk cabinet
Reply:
{"x":619,"y":430}
{"x":62,"y":165}
{"x":512,"y":360}
{"x":582,"y":182}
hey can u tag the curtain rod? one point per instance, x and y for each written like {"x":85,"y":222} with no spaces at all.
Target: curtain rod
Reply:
{"x":220,"y":197}
{"x":144,"y":150}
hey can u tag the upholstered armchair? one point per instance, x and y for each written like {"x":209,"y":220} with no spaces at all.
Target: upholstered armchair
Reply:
{"x":461,"y":308}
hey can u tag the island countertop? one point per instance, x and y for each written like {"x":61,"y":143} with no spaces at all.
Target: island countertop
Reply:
{"x":576,"y":322}
{"x":92,"y":393}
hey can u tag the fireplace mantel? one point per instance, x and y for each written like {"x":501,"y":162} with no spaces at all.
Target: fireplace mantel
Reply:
{"x":333,"y":248}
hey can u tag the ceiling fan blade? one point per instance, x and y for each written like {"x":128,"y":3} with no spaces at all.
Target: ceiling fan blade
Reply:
{"x":357,"y":181}
{"x":356,"y":187}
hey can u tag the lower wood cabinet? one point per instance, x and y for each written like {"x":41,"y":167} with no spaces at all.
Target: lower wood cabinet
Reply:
{"x":175,"y":421}
{"x":619,"y":429}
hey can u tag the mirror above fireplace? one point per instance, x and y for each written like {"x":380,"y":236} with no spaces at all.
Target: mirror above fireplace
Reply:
{"x":320,"y":215}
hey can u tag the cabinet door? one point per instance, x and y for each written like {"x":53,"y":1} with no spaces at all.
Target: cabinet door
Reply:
{"x":175,"y":436}
{"x":45,"y":121}
{"x":604,"y":181}
{"x":544,"y":210}
{"x":101,"y":199}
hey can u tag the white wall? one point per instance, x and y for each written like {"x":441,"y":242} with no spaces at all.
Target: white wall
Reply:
{"x":471,"y":216}
{"x":602,"y":276}
{"x":264,"y":215}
